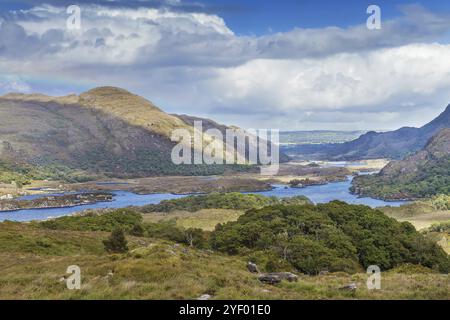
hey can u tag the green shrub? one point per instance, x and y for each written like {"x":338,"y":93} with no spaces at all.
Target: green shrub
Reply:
{"x":125,"y":219}
{"x":137,"y":230}
{"x":233,"y":200}
{"x":334,"y":237}
{"x":116,"y":243}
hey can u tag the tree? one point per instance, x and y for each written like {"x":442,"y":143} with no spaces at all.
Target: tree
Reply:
{"x":116,"y":243}
{"x":195,"y":238}
{"x":137,"y":230}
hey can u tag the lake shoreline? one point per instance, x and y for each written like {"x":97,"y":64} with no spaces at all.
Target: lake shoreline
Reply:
{"x":55,"y":201}
{"x":325,"y":184}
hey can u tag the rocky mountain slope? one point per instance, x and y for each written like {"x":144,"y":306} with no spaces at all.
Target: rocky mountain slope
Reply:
{"x":106,"y":130}
{"x":372,"y":145}
{"x":422,"y":174}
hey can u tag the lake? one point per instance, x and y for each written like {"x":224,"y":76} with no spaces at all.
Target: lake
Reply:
{"x":122,"y":199}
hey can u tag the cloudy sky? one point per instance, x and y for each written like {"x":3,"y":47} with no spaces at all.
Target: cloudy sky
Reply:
{"x":292,"y":65}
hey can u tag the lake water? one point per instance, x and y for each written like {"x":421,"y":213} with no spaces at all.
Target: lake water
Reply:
{"x":122,"y":199}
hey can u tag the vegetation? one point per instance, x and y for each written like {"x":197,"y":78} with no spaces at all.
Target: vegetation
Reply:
{"x":333,"y":237}
{"x":124,"y":219}
{"x":430,"y":180}
{"x":113,"y":133}
{"x":205,"y":219}
{"x":235,"y":201}
{"x":308,"y":238}
{"x":440,"y":227}
{"x":116,"y":243}
{"x":33,"y":261}
{"x":440,"y":202}
{"x":126,"y":255}
{"x":127,"y":221}
{"x":439,"y":233}
{"x":420,"y":175}
{"x":24,"y":174}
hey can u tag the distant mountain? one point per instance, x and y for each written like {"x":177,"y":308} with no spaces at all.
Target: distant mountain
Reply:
{"x":292,"y":138}
{"x":422,"y":174}
{"x":106,"y":130}
{"x":394,"y":144}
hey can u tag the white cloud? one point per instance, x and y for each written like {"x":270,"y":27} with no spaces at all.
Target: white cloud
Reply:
{"x":14,"y":84}
{"x":340,"y":81}
{"x":193,"y":63}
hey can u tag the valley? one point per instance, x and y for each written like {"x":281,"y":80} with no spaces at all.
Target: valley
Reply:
{"x":225,"y":150}
{"x":95,"y":169}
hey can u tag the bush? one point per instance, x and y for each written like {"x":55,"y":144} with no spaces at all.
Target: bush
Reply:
{"x":125,"y":219}
{"x":440,"y":227}
{"x":116,"y":243}
{"x":169,"y":230}
{"x":233,"y":200}
{"x":334,"y":236}
{"x":196,"y":238}
{"x":137,"y":230}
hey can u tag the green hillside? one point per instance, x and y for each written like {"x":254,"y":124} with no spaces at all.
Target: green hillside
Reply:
{"x":423,"y":174}
{"x":103,"y":132}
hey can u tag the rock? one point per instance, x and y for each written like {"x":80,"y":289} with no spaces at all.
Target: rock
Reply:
{"x":269,"y":279}
{"x":323,"y":273}
{"x":349,"y":287}
{"x":277,"y":277}
{"x":252,"y":267}
{"x":204,"y":297}
{"x":287,"y":276}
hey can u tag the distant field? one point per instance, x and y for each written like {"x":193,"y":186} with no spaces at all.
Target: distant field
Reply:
{"x":318,"y":137}
{"x":205,"y":219}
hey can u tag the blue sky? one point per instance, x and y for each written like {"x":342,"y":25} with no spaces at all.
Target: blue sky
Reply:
{"x":266,"y":64}
{"x":263,"y":16}
{"x":259,"y":17}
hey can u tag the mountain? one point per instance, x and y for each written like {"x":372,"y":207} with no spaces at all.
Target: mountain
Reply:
{"x":393,"y":144}
{"x":422,"y":174}
{"x":105,"y":130}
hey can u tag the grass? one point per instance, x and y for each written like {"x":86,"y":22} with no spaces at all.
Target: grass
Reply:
{"x":205,"y":219}
{"x":33,"y":262}
{"x":421,"y":214}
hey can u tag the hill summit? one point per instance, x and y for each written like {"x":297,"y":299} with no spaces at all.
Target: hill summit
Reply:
{"x":105,"y":130}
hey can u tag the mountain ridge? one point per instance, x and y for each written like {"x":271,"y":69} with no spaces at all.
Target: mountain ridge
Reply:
{"x":105,"y":130}
{"x":372,"y":145}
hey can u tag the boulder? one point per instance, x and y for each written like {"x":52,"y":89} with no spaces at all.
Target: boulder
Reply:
{"x":277,"y":277}
{"x":287,"y":276}
{"x":252,"y":267}
{"x":349,"y":287}
{"x":269,"y":278}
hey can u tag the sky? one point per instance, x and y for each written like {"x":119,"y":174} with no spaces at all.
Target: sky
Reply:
{"x":288,"y":65}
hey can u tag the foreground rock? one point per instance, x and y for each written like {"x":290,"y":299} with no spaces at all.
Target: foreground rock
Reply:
{"x":277,"y":277}
{"x":349,"y":287}
{"x":253,"y":268}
